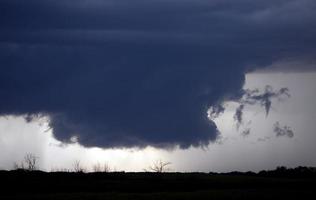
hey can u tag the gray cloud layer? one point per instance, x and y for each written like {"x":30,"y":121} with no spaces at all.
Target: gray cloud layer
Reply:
{"x":122,"y":74}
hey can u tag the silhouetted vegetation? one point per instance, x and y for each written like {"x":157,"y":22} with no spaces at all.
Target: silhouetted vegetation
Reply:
{"x":77,"y":167}
{"x":298,"y":172}
{"x":29,"y":163}
{"x":98,"y":167}
{"x":159,"y":167}
{"x":280,"y":183}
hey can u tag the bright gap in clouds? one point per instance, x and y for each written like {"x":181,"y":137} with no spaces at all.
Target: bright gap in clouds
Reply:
{"x":260,"y":149}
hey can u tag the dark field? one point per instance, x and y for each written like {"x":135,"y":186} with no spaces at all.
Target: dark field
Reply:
{"x":277,"y":184}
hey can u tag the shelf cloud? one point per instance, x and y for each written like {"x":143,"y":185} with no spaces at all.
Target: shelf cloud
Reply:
{"x":142,"y":73}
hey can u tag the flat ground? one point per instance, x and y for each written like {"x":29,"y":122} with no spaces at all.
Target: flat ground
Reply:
{"x":65,"y":185}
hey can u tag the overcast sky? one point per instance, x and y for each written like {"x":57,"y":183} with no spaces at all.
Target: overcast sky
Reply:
{"x":209,"y":85}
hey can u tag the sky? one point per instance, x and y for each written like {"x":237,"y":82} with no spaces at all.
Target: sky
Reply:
{"x":207,"y":85}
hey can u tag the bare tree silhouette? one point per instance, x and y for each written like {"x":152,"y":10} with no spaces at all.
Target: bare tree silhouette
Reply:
{"x":77,"y":167}
{"x":159,"y":166}
{"x":101,"y":168}
{"x":30,"y":161}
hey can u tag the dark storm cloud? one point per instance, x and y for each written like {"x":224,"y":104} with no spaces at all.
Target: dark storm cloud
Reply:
{"x":238,"y":114}
{"x":291,"y":65}
{"x":282,"y":131}
{"x":122,"y":74}
{"x":264,"y":98}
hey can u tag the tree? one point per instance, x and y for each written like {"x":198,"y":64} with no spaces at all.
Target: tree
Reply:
{"x":101,"y":168}
{"x":77,"y":166}
{"x":30,"y":161}
{"x":159,"y":166}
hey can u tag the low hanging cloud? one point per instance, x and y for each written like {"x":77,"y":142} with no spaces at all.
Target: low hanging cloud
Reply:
{"x":121,"y":74}
{"x":282,"y":131}
{"x":261,"y":98}
{"x":264,"y":98}
{"x":239,"y":115}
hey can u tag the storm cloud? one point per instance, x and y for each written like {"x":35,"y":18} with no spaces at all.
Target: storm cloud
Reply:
{"x":133,"y":74}
{"x":282,"y":131}
{"x":239,"y":115}
{"x":262,"y":98}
